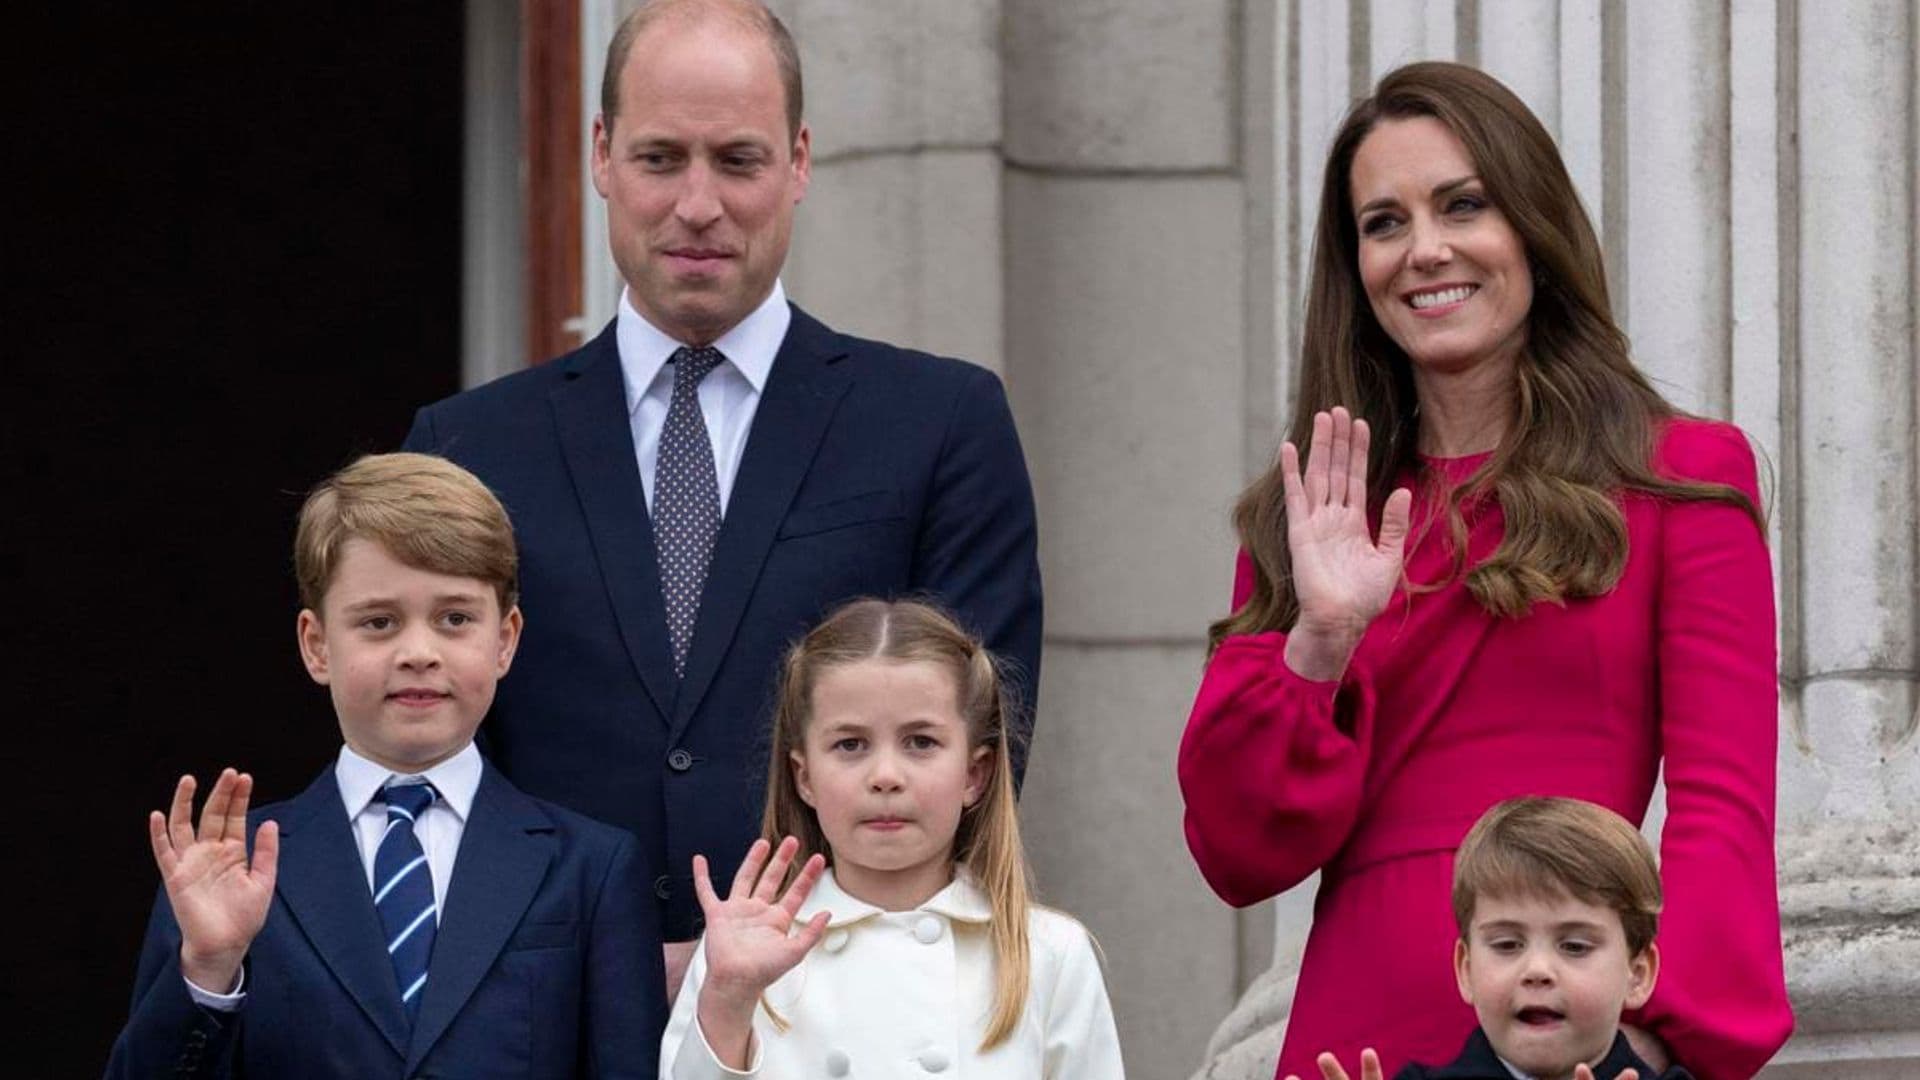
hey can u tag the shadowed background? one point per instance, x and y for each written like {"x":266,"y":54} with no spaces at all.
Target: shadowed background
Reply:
{"x":240,"y":230}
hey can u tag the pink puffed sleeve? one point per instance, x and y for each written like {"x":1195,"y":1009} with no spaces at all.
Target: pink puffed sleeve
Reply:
{"x":1720,"y":1003}
{"x":1271,"y":765}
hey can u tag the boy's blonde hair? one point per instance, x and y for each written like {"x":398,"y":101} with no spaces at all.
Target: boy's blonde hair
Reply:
{"x":423,"y":510}
{"x":1539,"y":846}
{"x":988,"y":839}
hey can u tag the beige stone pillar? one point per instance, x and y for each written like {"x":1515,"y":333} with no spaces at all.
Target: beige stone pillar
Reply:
{"x":1126,"y":247}
{"x":900,"y":236}
{"x":1850,"y":834}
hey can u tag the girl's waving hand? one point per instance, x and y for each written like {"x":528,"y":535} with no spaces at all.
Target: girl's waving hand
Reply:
{"x":749,"y":941}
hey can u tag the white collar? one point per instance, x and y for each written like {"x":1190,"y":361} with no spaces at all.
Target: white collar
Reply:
{"x":750,"y":346}
{"x":962,"y":900}
{"x":457,"y":779}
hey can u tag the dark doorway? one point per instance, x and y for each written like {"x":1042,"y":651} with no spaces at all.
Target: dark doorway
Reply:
{"x":241,"y":227}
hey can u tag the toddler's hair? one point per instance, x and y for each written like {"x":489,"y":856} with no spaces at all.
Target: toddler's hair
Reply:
{"x":988,"y":839}
{"x":423,"y":510}
{"x":1538,"y":846}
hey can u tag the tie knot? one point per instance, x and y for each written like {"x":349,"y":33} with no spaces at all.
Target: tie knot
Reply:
{"x":690,"y":365}
{"x":408,"y":799}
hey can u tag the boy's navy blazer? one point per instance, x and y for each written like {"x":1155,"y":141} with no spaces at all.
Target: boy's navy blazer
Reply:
{"x":869,"y":471}
{"x":1477,"y":1061}
{"x":545,"y":965}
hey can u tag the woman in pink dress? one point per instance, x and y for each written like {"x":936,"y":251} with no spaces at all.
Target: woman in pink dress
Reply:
{"x":1511,"y":569}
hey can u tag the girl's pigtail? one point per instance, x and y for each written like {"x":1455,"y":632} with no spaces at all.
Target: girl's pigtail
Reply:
{"x":989,"y":845}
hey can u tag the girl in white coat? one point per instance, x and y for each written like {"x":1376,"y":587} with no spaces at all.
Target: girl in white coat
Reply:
{"x":890,"y":934}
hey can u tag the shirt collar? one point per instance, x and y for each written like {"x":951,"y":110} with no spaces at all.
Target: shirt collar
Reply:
{"x":457,"y":779}
{"x":962,"y":900}
{"x":750,"y":346}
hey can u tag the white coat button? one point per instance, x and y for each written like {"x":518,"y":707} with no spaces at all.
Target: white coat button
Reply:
{"x":933,"y":1061}
{"x":927,"y":929}
{"x":834,"y":941}
{"x":837,"y":1063}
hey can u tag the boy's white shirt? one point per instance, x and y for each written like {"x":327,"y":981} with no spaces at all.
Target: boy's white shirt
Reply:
{"x":439,"y":829}
{"x":909,"y":993}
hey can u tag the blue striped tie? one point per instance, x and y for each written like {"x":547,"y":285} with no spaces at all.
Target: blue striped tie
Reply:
{"x":403,"y":891}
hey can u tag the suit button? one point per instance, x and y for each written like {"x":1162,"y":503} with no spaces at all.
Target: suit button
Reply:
{"x":927,"y":929}
{"x":835,"y":940}
{"x":663,"y":887}
{"x":679,"y":761}
{"x":933,"y":1061}
{"x":837,"y":1063}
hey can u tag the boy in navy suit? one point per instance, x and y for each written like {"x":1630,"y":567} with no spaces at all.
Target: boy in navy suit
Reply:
{"x":412,"y":913}
{"x":1557,"y":901}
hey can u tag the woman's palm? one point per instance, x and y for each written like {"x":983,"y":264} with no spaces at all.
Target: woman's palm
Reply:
{"x":1342,"y":576}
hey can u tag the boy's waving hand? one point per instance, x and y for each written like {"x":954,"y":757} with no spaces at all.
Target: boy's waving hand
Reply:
{"x":219,"y":897}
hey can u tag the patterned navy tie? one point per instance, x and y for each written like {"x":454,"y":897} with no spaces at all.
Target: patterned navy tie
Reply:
{"x":403,"y":891}
{"x":686,"y":499}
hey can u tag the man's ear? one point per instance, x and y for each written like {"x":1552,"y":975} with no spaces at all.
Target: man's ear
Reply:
{"x":313,"y":644}
{"x":510,"y":627}
{"x":802,"y":162}
{"x":979,"y":775}
{"x":800,"y":781}
{"x":1462,"y":971}
{"x":601,"y":159}
{"x":1643,"y":972}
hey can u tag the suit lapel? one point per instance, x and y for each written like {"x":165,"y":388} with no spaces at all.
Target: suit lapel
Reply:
{"x":802,"y":391}
{"x":505,"y":850}
{"x":323,"y":882}
{"x":590,"y":413}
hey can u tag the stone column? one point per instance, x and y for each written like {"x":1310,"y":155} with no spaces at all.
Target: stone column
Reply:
{"x":1850,"y":866}
{"x":1126,"y":245}
{"x":493,"y":321}
{"x":900,"y":236}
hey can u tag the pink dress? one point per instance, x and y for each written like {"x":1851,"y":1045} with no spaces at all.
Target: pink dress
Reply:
{"x":1446,"y":710}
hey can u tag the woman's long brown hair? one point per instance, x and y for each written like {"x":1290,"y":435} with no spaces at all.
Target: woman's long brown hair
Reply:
{"x":987,"y":842}
{"x":1584,"y":418}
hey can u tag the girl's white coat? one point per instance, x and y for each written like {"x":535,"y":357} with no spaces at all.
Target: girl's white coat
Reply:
{"x":908,"y":994}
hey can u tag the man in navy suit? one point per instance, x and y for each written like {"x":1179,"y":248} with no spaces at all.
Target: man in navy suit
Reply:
{"x":698,"y":485}
{"x":412,"y":913}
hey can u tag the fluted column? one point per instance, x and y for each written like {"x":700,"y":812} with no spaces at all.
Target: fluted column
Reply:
{"x":1850,"y":868}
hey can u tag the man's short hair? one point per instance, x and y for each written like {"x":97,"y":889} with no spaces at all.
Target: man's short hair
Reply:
{"x":423,"y":510}
{"x":1546,"y":846}
{"x":747,"y":13}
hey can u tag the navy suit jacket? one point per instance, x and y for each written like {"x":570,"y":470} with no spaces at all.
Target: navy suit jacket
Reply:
{"x":869,"y":471}
{"x":547,"y":962}
{"x":1477,"y":1061}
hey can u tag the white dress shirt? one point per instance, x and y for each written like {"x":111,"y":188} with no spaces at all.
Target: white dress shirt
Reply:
{"x":439,"y":826}
{"x":729,"y":395}
{"x":438,"y":829}
{"x":909,"y":993}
